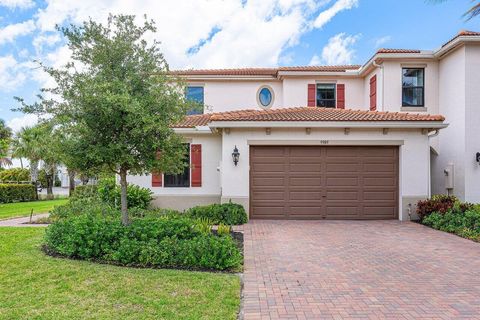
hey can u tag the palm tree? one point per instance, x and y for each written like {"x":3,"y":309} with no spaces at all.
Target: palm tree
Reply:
{"x":5,"y":136}
{"x":471,"y":13}
{"x":28,"y":144}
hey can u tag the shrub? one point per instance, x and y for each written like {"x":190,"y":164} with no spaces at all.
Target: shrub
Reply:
{"x":17,"y":192}
{"x":438,"y":203}
{"x":226,"y":213}
{"x":463,"y":223}
{"x":15,"y":175}
{"x":85,"y":191}
{"x":148,"y":242}
{"x":42,"y":178}
{"x":83,"y":206}
{"x":137,"y":197}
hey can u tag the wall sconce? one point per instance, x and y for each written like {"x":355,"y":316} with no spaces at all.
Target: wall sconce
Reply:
{"x":477,"y":157}
{"x":235,"y":155}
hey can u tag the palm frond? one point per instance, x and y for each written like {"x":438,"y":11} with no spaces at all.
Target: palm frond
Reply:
{"x":5,"y":162}
{"x":472,"y":12}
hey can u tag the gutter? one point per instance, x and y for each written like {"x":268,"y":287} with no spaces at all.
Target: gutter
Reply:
{"x":194,"y":130}
{"x":383,"y":81}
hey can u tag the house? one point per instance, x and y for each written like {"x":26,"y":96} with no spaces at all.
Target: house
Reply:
{"x":333,"y":142}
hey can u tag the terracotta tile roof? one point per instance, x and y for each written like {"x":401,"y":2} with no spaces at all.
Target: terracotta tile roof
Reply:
{"x":305,"y":114}
{"x":386,"y":50}
{"x":264,"y":71}
{"x":462,"y":33}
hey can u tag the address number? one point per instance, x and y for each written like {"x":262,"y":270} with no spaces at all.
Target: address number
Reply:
{"x":323,"y":141}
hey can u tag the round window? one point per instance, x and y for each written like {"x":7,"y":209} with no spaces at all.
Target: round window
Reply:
{"x":265,"y":97}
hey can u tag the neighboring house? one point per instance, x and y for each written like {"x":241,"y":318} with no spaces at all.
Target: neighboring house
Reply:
{"x":333,"y":142}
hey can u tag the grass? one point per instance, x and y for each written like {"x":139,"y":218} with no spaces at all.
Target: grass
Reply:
{"x":36,"y":286}
{"x":23,"y":209}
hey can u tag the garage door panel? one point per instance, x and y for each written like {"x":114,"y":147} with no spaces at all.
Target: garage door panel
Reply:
{"x":342,"y":181}
{"x":317,"y":182}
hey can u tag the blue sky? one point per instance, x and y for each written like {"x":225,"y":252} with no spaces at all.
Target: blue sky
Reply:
{"x":225,"y":33}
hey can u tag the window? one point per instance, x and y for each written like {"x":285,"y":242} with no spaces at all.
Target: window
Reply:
{"x":326,"y":95}
{"x":195,"y":94}
{"x":265,"y":96}
{"x":181,"y":179}
{"x":413,"y":87}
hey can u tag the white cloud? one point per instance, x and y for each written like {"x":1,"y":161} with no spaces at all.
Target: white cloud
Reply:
{"x":315,"y":61}
{"x":26,"y":120}
{"x":45,"y":40}
{"x":381,"y":41}
{"x":327,"y":15}
{"x":339,"y":50}
{"x":21,"y":4}
{"x":12,"y":73}
{"x":210,"y":33}
{"x":10,"y":32}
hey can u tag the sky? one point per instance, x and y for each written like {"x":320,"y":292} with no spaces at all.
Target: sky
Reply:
{"x":223,"y":34}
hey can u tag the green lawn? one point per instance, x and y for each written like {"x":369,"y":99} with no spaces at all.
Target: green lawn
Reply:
{"x":35,"y":286}
{"x":23,"y":209}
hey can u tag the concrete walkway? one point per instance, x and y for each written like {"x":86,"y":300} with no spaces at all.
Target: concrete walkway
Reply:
{"x":358,"y":270}
{"x":24,"y":221}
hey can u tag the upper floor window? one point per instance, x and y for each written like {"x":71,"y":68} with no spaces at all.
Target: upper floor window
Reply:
{"x":326,"y":95}
{"x":182,"y":179}
{"x":413,"y":87}
{"x":195,"y":94}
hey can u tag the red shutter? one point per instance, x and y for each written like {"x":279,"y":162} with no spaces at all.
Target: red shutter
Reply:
{"x":373,"y":93}
{"x":157,"y":176}
{"x":196,"y":164}
{"x":156,"y":179}
{"x":312,"y":99}
{"x":340,"y":96}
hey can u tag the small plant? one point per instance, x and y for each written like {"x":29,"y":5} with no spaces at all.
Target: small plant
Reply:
{"x":438,"y":203}
{"x":227,"y":213}
{"x":223,"y":230}
{"x":203,"y":225}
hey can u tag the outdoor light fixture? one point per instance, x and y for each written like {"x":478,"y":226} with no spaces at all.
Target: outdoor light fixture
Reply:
{"x":477,"y":157}
{"x":235,"y":155}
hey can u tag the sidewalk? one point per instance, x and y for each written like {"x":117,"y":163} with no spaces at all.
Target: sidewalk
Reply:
{"x":23,"y":222}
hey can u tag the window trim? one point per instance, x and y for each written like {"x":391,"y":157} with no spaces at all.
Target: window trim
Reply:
{"x":334,"y":83}
{"x":187,"y":169}
{"x":423,"y":87}
{"x":259,"y":103}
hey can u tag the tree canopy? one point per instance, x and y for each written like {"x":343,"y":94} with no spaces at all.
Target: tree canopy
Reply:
{"x":116,"y":100}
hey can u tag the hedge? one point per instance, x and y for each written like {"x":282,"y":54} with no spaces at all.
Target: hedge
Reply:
{"x":226,"y":213}
{"x":15,"y":175}
{"x":173,"y":242}
{"x":17,"y":192}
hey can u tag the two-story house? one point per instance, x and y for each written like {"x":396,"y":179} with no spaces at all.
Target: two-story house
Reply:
{"x":333,"y":142}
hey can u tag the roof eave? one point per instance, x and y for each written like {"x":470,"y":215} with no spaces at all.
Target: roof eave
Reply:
{"x":409,"y":124}
{"x":194,"y":130}
{"x":450,"y":46}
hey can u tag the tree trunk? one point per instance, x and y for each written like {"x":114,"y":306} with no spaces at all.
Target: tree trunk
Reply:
{"x":71,"y":182}
{"x":34,"y":175}
{"x":123,"y":197}
{"x":21,"y":162}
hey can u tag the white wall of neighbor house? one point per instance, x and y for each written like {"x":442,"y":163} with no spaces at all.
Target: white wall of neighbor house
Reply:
{"x":451,"y":140}
{"x":472,"y":123}
{"x":414,"y":167}
{"x":182,"y":198}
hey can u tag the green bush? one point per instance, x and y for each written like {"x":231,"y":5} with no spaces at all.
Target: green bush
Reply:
{"x":86,"y":191}
{"x":42,"y":178}
{"x":15,"y":175}
{"x":83,"y":206}
{"x":465,"y":223}
{"x":148,"y":242}
{"x":17,"y":192}
{"x":226,"y":213}
{"x":137,"y":197}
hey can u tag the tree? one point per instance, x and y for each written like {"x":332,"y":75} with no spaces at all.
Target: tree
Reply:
{"x":471,"y":13}
{"x":26,"y":144}
{"x":5,"y":138}
{"x":118,"y":99}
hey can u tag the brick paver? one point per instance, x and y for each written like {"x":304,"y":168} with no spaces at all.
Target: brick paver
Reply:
{"x":358,"y":270}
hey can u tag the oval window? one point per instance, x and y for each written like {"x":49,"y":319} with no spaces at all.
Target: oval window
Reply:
{"x":265,"y":96}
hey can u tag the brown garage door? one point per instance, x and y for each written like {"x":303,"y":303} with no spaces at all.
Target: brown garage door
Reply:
{"x":311,"y":182}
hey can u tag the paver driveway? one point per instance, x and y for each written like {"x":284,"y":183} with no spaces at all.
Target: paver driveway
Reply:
{"x":358,"y":270}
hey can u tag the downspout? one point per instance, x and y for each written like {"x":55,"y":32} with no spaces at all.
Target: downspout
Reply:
{"x":375,"y":64}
